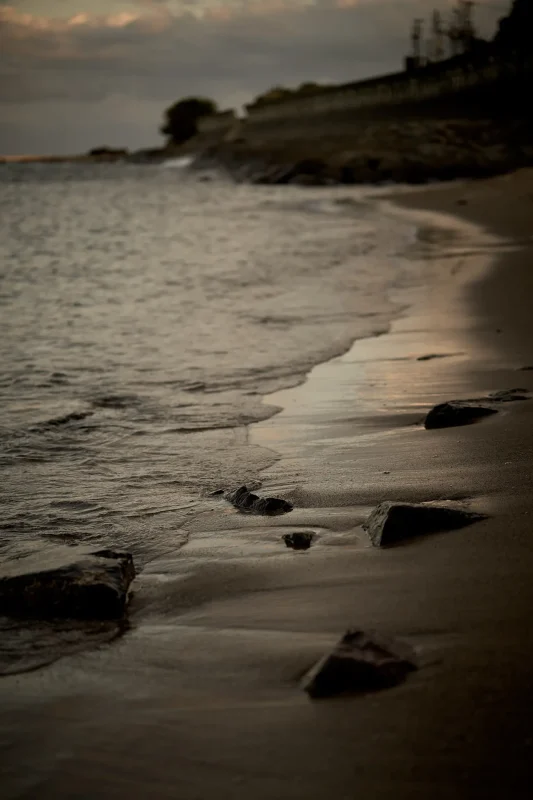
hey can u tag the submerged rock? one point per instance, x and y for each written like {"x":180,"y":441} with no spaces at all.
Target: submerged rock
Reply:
{"x":432,"y":356}
{"x":56,"y":422}
{"x":299,"y":540}
{"x":245,"y":501}
{"x":360,"y":662}
{"x":455,"y":413}
{"x":509,"y":395}
{"x":391,"y":523}
{"x":68,"y":585}
{"x":36,"y":643}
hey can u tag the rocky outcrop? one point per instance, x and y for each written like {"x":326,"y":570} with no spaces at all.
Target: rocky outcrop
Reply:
{"x":360,"y":662}
{"x":392,"y":523}
{"x":299,"y":540}
{"x":357,"y":151}
{"x":250,"y":503}
{"x":108,"y":153}
{"x":68,"y":584}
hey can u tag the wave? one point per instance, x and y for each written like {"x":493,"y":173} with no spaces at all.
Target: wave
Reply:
{"x":178,"y":163}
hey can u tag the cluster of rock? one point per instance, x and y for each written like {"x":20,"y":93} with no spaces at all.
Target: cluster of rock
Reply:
{"x":250,"y":503}
{"x":78,"y":584}
{"x":108,"y":153}
{"x":372,"y":152}
{"x":364,"y":662}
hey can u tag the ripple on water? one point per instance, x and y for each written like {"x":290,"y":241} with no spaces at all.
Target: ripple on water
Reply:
{"x":144,"y":314}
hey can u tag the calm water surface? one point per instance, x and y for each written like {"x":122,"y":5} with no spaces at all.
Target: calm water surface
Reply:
{"x":143,"y":314}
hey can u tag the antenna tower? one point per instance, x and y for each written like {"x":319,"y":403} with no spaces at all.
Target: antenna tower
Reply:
{"x":461,"y":32}
{"x":416,"y":39}
{"x":438,"y":37}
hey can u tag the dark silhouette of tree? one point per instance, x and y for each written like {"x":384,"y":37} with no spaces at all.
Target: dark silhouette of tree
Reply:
{"x":515,"y":31}
{"x":181,"y":119}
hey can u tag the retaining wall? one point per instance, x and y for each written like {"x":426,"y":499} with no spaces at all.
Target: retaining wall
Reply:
{"x":458,"y":86}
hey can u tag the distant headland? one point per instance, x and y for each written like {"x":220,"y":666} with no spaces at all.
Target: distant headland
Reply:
{"x":458,"y":108}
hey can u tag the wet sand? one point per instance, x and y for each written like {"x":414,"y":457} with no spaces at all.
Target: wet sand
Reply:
{"x":201,"y":698}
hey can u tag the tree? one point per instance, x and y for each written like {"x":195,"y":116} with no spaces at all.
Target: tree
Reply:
{"x":516,"y":30}
{"x":181,"y":119}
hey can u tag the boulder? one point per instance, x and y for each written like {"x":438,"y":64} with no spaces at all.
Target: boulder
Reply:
{"x":299,"y":540}
{"x":67,"y":584}
{"x":360,"y":662}
{"x":391,"y":523}
{"x":245,"y":501}
{"x":455,"y":413}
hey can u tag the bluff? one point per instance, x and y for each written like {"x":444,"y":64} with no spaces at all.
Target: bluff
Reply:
{"x":465,"y":117}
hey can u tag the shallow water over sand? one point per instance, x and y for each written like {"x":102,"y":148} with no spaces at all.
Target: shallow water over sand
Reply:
{"x":144,"y":312}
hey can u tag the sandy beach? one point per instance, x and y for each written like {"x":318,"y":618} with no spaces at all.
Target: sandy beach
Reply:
{"x":204,"y":701}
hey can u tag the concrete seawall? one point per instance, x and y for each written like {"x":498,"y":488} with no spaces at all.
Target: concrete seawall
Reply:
{"x":460,"y":118}
{"x":468,"y":87}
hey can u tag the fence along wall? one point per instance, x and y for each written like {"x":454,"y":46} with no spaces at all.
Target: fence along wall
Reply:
{"x":437,"y":81}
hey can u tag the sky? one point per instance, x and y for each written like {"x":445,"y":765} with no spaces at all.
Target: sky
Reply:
{"x":76,"y":74}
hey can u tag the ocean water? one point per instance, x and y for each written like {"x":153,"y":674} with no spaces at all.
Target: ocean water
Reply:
{"x":145,"y":311}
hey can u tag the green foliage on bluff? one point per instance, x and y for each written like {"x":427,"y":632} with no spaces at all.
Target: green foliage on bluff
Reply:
{"x":181,"y":119}
{"x":278,"y":93}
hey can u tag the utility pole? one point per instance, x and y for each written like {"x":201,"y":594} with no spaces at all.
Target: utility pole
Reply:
{"x":453,"y":33}
{"x":467,"y":26}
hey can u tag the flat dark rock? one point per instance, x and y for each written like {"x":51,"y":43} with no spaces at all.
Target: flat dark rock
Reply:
{"x":391,"y":523}
{"x":455,"y":413}
{"x":299,"y":540}
{"x":250,"y":503}
{"x":509,"y":395}
{"x":360,"y":662}
{"x":67,"y":584}
{"x":465,"y":412}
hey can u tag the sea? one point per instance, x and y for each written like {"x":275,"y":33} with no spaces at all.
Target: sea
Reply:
{"x":146,"y":313}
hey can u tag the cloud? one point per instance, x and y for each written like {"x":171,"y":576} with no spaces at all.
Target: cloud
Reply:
{"x":85,"y":74}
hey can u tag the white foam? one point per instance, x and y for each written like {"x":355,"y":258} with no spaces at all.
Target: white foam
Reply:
{"x":178,"y":163}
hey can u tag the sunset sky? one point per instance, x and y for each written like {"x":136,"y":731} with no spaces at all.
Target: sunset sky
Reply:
{"x":80,"y":73}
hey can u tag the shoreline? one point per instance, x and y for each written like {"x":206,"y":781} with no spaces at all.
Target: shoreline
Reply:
{"x":157,"y":714}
